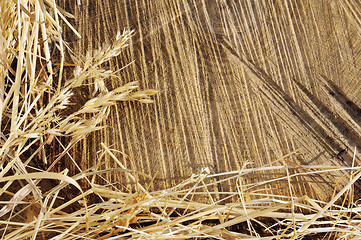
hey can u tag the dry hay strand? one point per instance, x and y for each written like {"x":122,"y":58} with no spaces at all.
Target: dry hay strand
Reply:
{"x":174,"y":213}
{"x":33,"y":97}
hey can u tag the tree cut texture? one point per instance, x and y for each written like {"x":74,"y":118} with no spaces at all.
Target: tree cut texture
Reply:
{"x":243,"y":84}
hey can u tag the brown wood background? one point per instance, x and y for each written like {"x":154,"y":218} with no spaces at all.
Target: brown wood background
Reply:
{"x":240,"y":81}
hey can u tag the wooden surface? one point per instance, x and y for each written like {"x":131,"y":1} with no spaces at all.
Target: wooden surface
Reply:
{"x":240,"y":81}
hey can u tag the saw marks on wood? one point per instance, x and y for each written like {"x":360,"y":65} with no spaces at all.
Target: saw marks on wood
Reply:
{"x":240,"y":81}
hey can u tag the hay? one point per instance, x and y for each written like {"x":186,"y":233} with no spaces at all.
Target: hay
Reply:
{"x":34,"y":97}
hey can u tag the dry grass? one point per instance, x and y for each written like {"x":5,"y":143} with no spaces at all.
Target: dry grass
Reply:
{"x":175,"y":214}
{"x":34,"y":96}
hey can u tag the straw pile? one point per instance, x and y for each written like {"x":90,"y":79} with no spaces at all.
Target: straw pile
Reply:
{"x":41,"y":201}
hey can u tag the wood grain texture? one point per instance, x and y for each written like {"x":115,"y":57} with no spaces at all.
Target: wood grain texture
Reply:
{"x":240,"y":81}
